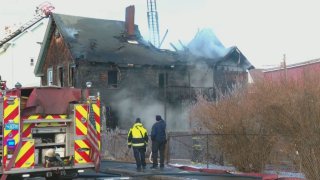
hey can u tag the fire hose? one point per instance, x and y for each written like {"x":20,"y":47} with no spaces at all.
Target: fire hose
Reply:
{"x":150,"y":157}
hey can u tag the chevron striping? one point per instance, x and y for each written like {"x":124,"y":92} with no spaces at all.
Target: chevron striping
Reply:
{"x":81,"y":127}
{"x":25,"y":147}
{"x":12,"y":114}
{"x":11,"y":109}
{"x":26,"y":155}
{"x":84,"y":155}
{"x":82,"y":109}
{"x":33,"y":117}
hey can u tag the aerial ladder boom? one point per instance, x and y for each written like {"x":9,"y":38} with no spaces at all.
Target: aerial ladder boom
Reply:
{"x":42,"y":11}
{"x":153,"y":23}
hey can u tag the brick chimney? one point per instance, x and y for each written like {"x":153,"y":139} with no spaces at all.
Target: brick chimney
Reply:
{"x":129,"y":24}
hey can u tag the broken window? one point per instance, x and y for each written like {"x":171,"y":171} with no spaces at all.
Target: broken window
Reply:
{"x":113,"y":79}
{"x":72,"y":70}
{"x":49,"y":76}
{"x":60,"y":76}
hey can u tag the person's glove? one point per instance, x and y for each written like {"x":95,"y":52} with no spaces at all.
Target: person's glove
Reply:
{"x":129,"y":146}
{"x":145,"y":148}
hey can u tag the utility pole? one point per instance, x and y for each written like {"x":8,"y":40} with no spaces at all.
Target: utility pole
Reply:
{"x":285,"y":67}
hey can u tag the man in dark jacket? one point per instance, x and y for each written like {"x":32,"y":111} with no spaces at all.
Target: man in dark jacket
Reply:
{"x":138,"y":139}
{"x":158,"y":137}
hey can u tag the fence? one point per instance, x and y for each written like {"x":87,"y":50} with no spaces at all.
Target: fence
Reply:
{"x":192,"y":149}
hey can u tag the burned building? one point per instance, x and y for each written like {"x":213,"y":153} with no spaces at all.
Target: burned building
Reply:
{"x":134,"y":78}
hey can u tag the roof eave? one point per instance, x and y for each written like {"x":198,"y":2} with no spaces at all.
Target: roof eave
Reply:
{"x":44,"y":49}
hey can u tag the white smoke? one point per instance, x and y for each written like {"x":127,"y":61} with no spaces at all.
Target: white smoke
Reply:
{"x":71,"y":33}
{"x":206,"y":44}
{"x":129,"y":107}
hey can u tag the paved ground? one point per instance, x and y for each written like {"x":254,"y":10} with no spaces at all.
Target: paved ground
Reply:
{"x":128,"y":171}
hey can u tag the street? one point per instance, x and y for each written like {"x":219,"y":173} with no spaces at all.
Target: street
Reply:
{"x":118,"y":170}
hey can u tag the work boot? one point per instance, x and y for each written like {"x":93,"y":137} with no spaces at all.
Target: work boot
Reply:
{"x":154,"y":167}
{"x":139,"y":169}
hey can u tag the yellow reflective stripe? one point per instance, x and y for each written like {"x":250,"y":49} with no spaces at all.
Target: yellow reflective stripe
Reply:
{"x":81,"y":126}
{"x":26,"y":126}
{"x":138,"y":144}
{"x":6,"y":132}
{"x":79,"y":158}
{"x":49,"y":117}
{"x":17,"y":138}
{"x":32,"y":117}
{"x":82,"y":111}
{"x":129,"y":132}
{"x":10,"y":109}
{"x":81,"y":144}
{"x":29,"y":162}
{"x":63,"y":116}
{"x":23,"y":150}
{"x":98,"y":127}
{"x":96,"y":110}
{"x":17,"y":119}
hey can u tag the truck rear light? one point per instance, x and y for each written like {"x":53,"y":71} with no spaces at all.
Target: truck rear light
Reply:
{"x":25,"y":175}
{"x":80,"y":171}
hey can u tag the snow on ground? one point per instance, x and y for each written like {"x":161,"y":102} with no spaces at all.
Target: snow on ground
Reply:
{"x":287,"y":174}
{"x":232,"y":170}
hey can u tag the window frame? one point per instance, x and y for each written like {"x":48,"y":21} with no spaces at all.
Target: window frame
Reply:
{"x":115,"y":77}
{"x":50,"y":76}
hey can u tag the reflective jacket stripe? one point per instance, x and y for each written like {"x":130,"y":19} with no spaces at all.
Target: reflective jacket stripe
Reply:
{"x":138,"y":145}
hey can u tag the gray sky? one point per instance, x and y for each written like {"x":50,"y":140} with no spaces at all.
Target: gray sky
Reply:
{"x":263,"y":30}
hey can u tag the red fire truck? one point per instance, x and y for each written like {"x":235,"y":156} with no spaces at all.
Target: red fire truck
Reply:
{"x":38,"y":120}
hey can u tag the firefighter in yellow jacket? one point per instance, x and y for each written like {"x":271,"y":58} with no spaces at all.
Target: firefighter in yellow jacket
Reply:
{"x":138,"y":140}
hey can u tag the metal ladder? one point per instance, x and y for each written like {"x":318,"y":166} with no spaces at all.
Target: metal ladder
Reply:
{"x":42,"y":11}
{"x":153,"y":23}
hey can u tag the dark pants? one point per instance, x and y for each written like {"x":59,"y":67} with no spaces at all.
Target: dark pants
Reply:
{"x":139,"y":155}
{"x":158,"y":146}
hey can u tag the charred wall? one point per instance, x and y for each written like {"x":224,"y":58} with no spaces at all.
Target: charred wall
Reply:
{"x":59,"y":60}
{"x":145,"y":91}
{"x":139,"y":91}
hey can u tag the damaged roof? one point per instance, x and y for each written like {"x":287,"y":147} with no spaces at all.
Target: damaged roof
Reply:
{"x":206,"y":44}
{"x":101,"y":40}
